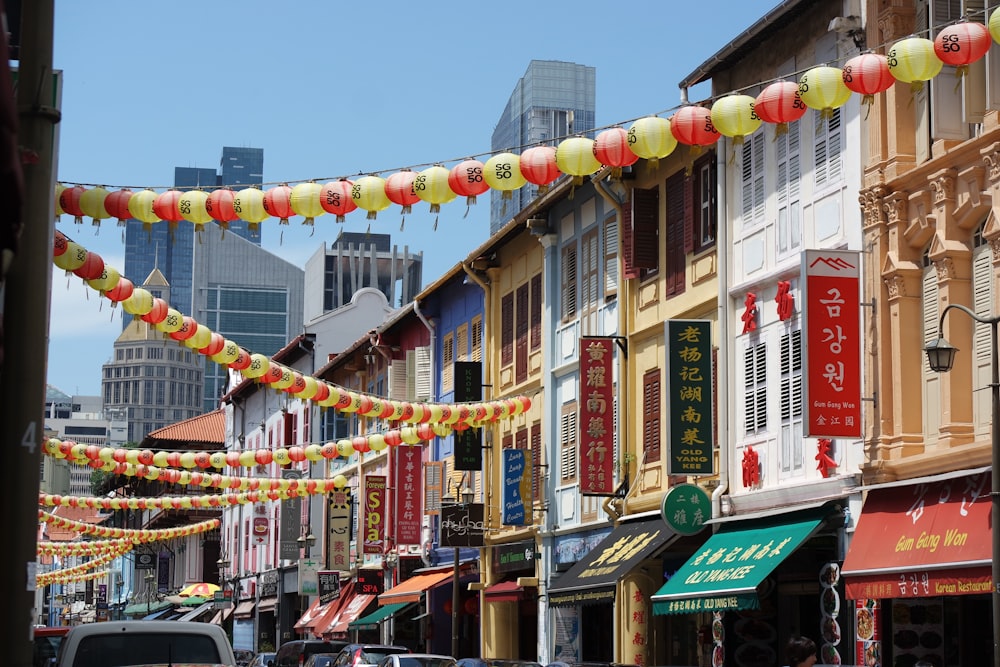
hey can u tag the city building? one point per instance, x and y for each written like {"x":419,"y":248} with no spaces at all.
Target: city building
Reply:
{"x":554,"y":99}
{"x":83,"y":420}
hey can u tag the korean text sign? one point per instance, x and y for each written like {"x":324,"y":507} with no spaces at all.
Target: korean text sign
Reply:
{"x":832,"y":319}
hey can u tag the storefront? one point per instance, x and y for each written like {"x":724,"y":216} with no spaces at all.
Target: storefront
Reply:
{"x":918,"y":572}
{"x":510,"y":602}
{"x":759,"y":580}
{"x":431,"y":589}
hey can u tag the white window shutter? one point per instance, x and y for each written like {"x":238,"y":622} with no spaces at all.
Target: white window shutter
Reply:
{"x":422,"y":376}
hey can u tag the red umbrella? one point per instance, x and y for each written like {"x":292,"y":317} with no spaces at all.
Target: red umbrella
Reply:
{"x":202,"y":589}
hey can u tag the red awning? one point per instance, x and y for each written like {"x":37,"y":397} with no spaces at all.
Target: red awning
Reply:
{"x":349,"y":613}
{"x":922,"y":539}
{"x":413,"y":588}
{"x":315,"y":611}
{"x":326,"y":616}
{"x":505,"y":591}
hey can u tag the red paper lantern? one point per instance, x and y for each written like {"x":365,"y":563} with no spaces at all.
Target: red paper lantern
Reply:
{"x":538,"y":166}
{"x":335,"y":198}
{"x":612,"y":150}
{"x":780,"y":103}
{"x":278,"y":203}
{"x":868,"y":74}
{"x":188,"y":329}
{"x":69,"y":201}
{"x":220,"y":206}
{"x":92,"y":267}
{"x":360,"y":444}
{"x":59,"y":244}
{"x":116,"y":204}
{"x":166,"y":207}
{"x":242,"y":361}
{"x":962,"y":44}
{"x":466,"y":180}
{"x":274,"y":373}
{"x":157,"y":313}
{"x":322,"y":392}
{"x":399,"y":189}
{"x":121,"y":291}
{"x":215,"y":345}
{"x":692,"y":125}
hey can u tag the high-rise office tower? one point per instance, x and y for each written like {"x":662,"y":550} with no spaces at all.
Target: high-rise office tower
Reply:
{"x":553,"y":99}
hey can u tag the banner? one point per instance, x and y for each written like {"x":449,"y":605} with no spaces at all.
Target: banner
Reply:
{"x":291,"y":522}
{"x":468,"y":387}
{"x":690,"y":436}
{"x":308,"y":576}
{"x":462,"y":525}
{"x":373,"y":530}
{"x":517,"y":499}
{"x":408,"y":480}
{"x":832,"y":345}
{"x":339,"y":531}
{"x":597,"y":423}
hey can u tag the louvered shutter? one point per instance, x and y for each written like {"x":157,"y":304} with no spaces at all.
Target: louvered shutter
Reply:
{"x":536,"y":312}
{"x":507,"y":329}
{"x":423,"y":381}
{"x":448,"y":362}
{"x":646,"y":227}
{"x":689,"y":207}
{"x":433,"y":490}
{"x":610,"y":257}
{"x":521,"y":328}
{"x":569,"y":282}
{"x":568,"y":437}
{"x":651,"y":416}
{"x":629,"y":269}
{"x":982,"y":295}
{"x":676,"y":224}
{"x":399,"y":379}
{"x":477,"y":339}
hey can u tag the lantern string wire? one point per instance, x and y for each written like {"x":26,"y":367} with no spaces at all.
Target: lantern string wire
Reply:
{"x":972,"y":14}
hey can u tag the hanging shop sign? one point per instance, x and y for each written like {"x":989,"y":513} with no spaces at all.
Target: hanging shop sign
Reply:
{"x":408,"y":469}
{"x":462,"y":525}
{"x":597,"y":423}
{"x":468,"y":442}
{"x":690,"y":436}
{"x":517,"y":498}
{"x":374,"y":521}
{"x":339,"y":531}
{"x":686,"y":508}
{"x":291,"y":522}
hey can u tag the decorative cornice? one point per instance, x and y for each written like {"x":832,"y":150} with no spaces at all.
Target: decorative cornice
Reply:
{"x":945,"y":268}
{"x":895,"y":207}
{"x":992,"y":160}
{"x":896,"y":286}
{"x":943,"y":188}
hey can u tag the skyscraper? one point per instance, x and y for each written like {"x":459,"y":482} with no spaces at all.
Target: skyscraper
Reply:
{"x":552,"y":100}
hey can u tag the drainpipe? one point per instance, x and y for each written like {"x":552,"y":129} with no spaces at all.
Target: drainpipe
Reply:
{"x":425,"y":530}
{"x":614,"y":507}
{"x":319,"y":520}
{"x":725,"y":340}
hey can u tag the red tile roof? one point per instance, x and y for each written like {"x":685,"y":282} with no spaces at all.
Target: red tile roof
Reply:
{"x":83,"y":514}
{"x":209,"y":429}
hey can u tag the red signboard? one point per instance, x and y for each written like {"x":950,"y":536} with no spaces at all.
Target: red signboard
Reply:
{"x":408,"y":466}
{"x":922,"y":540}
{"x":597,"y":432}
{"x":833,"y":343}
{"x":373,"y":529}
{"x":261,"y":527}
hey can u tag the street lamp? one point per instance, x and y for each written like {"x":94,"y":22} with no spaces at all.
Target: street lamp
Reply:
{"x":940,"y":356}
{"x":306,"y":541}
{"x":467,"y":495}
{"x":150,"y":578}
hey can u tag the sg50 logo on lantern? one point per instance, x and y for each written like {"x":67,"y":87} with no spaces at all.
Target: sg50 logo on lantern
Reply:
{"x":374,"y":519}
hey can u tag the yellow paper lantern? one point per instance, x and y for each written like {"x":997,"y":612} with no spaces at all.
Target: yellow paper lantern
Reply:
{"x":313,"y":453}
{"x":202,"y":337}
{"x":228,"y":354}
{"x":368,"y":193}
{"x":259,"y":364}
{"x":59,"y":209}
{"x":913,"y":60}
{"x":310,"y":389}
{"x":733,"y":116}
{"x":92,"y":204}
{"x":340,"y":481}
{"x":993,"y":25}
{"x":140,"y":303}
{"x":188,"y":460}
{"x":72,"y":258}
{"x":281,"y":456}
{"x":248,"y":458}
{"x":286,"y":381}
{"x":192,"y":205}
{"x":503,"y":172}
{"x":171,"y":323}
{"x":377,"y":442}
{"x":651,"y":138}
{"x":823,"y":88}
{"x":140,"y":205}
{"x":107,"y":280}
{"x":345,"y":448}
{"x":575,"y":156}
{"x":305,"y":201}
{"x":248,"y":204}
{"x":431,"y":186}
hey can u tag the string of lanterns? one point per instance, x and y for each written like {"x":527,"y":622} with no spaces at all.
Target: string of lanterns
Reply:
{"x":92,"y":548}
{"x":44,"y":580}
{"x":78,"y":572}
{"x":130,"y":534}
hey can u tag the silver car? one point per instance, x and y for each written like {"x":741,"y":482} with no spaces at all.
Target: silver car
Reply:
{"x":417,"y":660}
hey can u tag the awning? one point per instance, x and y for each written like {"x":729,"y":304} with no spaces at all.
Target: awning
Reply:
{"x":594,"y":577}
{"x":146,"y":608}
{"x":315,"y":610}
{"x":413,"y":588}
{"x":728,"y":568}
{"x":505,"y":591}
{"x":267,"y":605}
{"x":158,"y":614}
{"x":923,"y":539}
{"x":194,"y":614}
{"x":244,"y":609}
{"x":348,"y":613}
{"x":372,"y":620}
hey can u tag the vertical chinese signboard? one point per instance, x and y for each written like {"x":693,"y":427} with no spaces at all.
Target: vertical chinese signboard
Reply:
{"x":339,"y":538}
{"x":291,"y":521}
{"x":468,"y":443}
{"x":689,"y":397}
{"x":374,"y":515}
{"x":832,"y":317}
{"x":408,"y":469}
{"x":597,"y":432}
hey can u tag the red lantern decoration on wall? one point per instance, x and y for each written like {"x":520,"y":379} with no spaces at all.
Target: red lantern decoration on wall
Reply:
{"x":278,"y":203}
{"x":69,"y":201}
{"x":612,"y":150}
{"x":781,"y":104}
{"x":220,"y":206}
{"x":692,"y":125}
{"x":962,"y":44}
{"x":116,"y":204}
{"x":538,"y":166}
{"x":466,"y":180}
{"x":336,"y":198}
{"x":868,"y":75}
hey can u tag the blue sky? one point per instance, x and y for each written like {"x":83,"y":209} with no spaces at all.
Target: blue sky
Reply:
{"x":331,"y":89}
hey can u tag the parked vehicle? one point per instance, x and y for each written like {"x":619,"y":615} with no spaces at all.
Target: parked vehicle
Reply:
{"x":243,"y":657}
{"x":45,"y":644}
{"x":294,"y":653}
{"x":145,"y":643}
{"x":499,"y":662}
{"x":321,"y":660}
{"x":264,"y":659}
{"x":417,"y":660}
{"x":366,"y":655}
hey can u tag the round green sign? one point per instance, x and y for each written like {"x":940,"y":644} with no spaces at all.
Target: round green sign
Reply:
{"x":686,"y":508}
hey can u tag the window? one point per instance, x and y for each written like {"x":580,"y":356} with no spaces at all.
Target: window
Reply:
{"x":536,"y":312}
{"x":448,"y":363}
{"x":521,"y":334}
{"x":569,"y":281}
{"x":982,"y":295}
{"x":569,"y":435}
{"x":640,"y":233}
{"x":462,"y":343}
{"x":477,"y":338}
{"x":676,"y":224}
{"x":755,"y":388}
{"x":591,"y":296}
{"x":932,"y":380}
{"x":507,"y":329}
{"x":703,"y":224}
{"x":536,"y":462}
{"x":433,"y":476}
{"x":521,"y":326}
{"x":610,"y":257}
{"x":826,"y":152}
{"x":752,"y":171}
{"x":789,"y":219}
{"x":791,"y":401}
{"x":651,"y":411}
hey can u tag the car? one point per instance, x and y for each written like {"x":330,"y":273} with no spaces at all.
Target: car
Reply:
{"x":243,"y":657}
{"x":498,"y":662}
{"x":295,"y":652}
{"x":417,"y":660}
{"x":45,"y":644}
{"x":321,"y":660}
{"x":136,"y":642}
{"x":263,"y":659}
{"x":365,"y":655}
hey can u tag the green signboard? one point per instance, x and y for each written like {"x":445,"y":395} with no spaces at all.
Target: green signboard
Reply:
{"x":686,"y":508}
{"x":690,"y":436}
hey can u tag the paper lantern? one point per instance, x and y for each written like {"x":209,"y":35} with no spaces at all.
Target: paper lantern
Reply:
{"x":612,"y":150}
{"x":734,"y":116}
{"x":399,"y":189}
{"x":868,"y":74}
{"x":248,"y":204}
{"x":913,"y":61}
{"x":171,"y":322}
{"x":335,"y":198}
{"x":220,"y":206}
{"x":431,"y":185}
{"x":122,"y":290}
{"x":157,"y":313}
{"x":166,"y":207}
{"x":215,"y":345}
{"x":650,"y":138}
{"x":139,"y":303}
{"x":227,"y":354}
{"x":962,"y":44}
{"x":278,"y":203}
{"x":188,"y":328}
{"x":193,"y":206}
{"x":69,"y":201}
{"x":466,"y":180}
{"x":304,"y":201}
{"x":242,"y":361}
{"x":538,"y":166}
{"x":575,"y":156}
{"x":692,"y":126}
{"x":116,"y":204}
{"x":140,"y":205}
{"x":259,"y":364}
{"x":368,"y":193}
{"x":59,"y":189}
{"x":92,"y":204}
{"x":202,"y":336}
{"x":503,"y":172}
{"x":994,"y":25}
{"x":309,"y":388}
{"x":92,"y":267}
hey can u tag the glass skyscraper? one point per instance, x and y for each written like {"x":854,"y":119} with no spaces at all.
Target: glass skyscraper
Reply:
{"x":553,"y":100}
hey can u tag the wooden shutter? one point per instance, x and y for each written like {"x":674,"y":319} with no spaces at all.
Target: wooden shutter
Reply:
{"x":448,"y":362}
{"x":610,"y":257}
{"x":477,"y":338}
{"x":462,"y":343}
{"x":507,"y":329}
{"x":689,"y":204}
{"x":399,"y":378}
{"x":676,"y":224}
{"x":422,"y":380}
{"x":629,"y":269}
{"x":568,"y":438}
{"x":651,"y":412}
{"x":536,"y":461}
{"x":433,"y":487}
{"x":646,"y":228}
{"x":521,"y":334}
{"x":536,"y":312}
{"x":569,"y":282}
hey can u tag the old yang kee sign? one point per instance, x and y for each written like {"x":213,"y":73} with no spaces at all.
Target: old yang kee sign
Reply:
{"x":689,"y":397}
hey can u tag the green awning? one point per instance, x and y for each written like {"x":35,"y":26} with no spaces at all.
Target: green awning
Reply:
{"x":144,"y":608}
{"x":728,"y":568}
{"x":194,"y":601}
{"x":372,"y":620}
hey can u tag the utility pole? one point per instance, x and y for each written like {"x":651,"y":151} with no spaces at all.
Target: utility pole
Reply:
{"x":26,"y":296}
